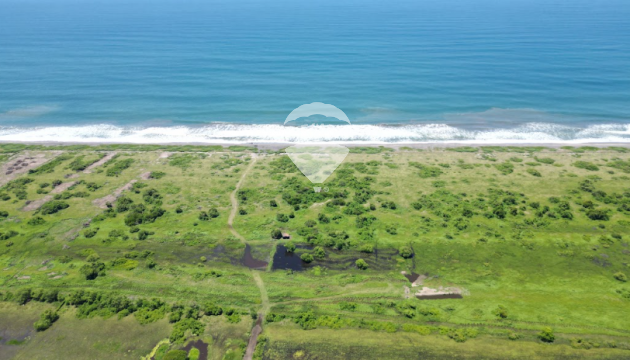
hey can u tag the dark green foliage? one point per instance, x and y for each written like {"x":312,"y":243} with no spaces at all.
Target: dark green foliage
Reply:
{"x":90,"y":233}
{"x":323,"y":219}
{"x":123,"y":204}
{"x":118,"y":166}
{"x":23,"y":296}
{"x":307,"y":258}
{"x":152,"y":196}
{"x":505,"y":168}
{"x":548,"y":161}
{"x":273,"y":317}
{"x":92,"y":186}
{"x":361,"y":264}
{"x":46,"y":319}
{"x":54,"y":206}
{"x":282,"y":217}
{"x":290,"y":246}
{"x":139,"y":214}
{"x":586,"y":165}
{"x":365,"y":221}
{"x":17,"y":187}
{"x":36,"y":220}
{"x":388,"y":205}
{"x":500,"y":312}
{"x":9,"y":234}
{"x":178,"y":335}
{"x":273,"y":203}
{"x":367,"y":248}
{"x":405,"y":252}
{"x":276,"y":234}
{"x":319,"y":253}
{"x":210,"y":309}
{"x":426,"y":171}
{"x":78,"y":164}
{"x":546,"y":335}
{"x":534,"y":172}
{"x":598,"y":214}
{"x":92,"y":270}
{"x":3,"y":214}
{"x":157,"y":175}
{"x":213,"y":213}
{"x":619,"y":276}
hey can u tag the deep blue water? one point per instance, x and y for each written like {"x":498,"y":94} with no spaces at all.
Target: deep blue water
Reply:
{"x":477,"y":70}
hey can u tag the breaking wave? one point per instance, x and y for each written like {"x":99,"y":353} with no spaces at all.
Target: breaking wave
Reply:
{"x":271,"y":133}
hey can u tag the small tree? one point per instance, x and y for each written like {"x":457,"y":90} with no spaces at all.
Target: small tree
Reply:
{"x":621,"y":277}
{"x":546,"y":335}
{"x":276,"y":234}
{"x":405,"y":252}
{"x":282,"y":217}
{"x":361,"y":264}
{"x":501,"y":312}
{"x":273,"y":203}
{"x":307,"y":258}
{"x":290,"y":246}
{"x":320,"y":254}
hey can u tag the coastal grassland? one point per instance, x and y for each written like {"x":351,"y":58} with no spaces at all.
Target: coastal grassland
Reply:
{"x":286,"y":342}
{"x":73,"y":338}
{"x":533,"y":237}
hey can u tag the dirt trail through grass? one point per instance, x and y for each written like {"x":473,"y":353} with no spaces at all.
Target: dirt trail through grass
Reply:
{"x":253,"y":340}
{"x":235,"y":202}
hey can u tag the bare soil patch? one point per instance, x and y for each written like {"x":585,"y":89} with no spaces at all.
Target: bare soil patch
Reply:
{"x":145,"y":176}
{"x":22,"y":164}
{"x":107,"y":157}
{"x":102,"y":202}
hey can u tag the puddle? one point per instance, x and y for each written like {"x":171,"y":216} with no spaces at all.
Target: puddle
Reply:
{"x":283,"y":259}
{"x":439,"y":297}
{"x":249,"y":261}
{"x":201,"y":346}
{"x":412,"y":277}
{"x":383,"y":259}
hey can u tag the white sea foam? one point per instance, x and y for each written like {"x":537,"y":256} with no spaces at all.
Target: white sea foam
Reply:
{"x":240,"y":133}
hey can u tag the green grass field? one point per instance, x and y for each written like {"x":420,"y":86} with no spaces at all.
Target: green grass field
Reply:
{"x":148,"y":245}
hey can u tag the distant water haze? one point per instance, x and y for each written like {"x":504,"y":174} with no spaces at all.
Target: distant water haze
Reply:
{"x":231,"y":71}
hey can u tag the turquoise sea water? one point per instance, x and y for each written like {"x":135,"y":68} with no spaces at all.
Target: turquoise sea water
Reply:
{"x":170,"y":71}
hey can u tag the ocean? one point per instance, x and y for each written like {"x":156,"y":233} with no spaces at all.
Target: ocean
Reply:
{"x":160,"y":71}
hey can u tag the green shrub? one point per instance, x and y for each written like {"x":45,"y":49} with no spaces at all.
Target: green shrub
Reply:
{"x":405,"y":252}
{"x":307,"y":258}
{"x":36,"y":220}
{"x":276,"y":234}
{"x":534,"y":172}
{"x":46,"y":319}
{"x":546,"y":335}
{"x":361,"y":264}
{"x":620,"y":276}
{"x":586,"y":165}
{"x":118,"y":166}
{"x":54,"y":206}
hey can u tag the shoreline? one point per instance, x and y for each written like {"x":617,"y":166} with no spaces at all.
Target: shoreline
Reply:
{"x":282,"y":145}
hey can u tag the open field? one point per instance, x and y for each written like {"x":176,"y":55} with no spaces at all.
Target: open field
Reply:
{"x":131,"y":245}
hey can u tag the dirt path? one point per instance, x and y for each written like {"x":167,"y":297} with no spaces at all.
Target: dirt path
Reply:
{"x":253,"y":339}
{"x":235,"y":202}
{"x":102,"y":202}
{"x":107,"y":157}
